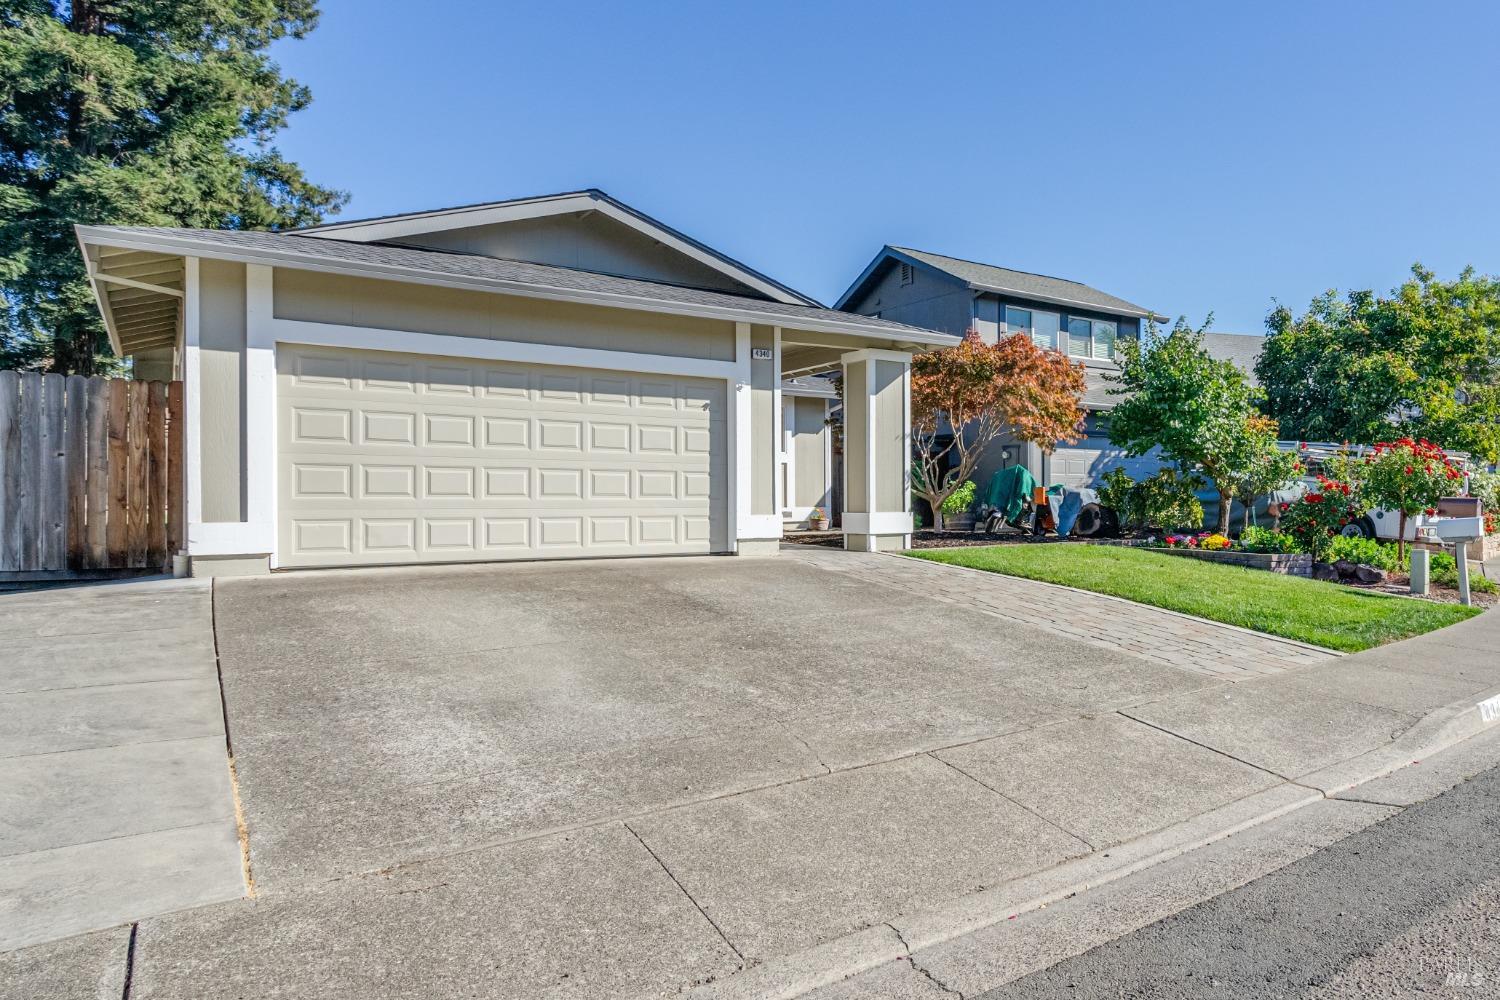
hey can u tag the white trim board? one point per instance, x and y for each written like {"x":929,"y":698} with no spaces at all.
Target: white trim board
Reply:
{"x":293,"y":331}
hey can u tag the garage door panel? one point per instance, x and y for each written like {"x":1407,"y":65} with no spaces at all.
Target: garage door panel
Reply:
{"x":388,"y":458}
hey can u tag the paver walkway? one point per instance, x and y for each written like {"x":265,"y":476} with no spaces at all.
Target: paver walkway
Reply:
{"x":1195,"y":644}
{"x":115,"y":798}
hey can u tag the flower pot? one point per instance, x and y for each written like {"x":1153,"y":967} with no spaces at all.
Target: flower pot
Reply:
{"x":821,"y":525}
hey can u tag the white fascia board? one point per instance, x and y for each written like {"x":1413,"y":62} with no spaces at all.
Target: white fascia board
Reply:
{"x":101,"y":299}
{"x":1059,"y":300}
{"x":370,"y":338}
{"x":422,"y":223}
{"x":311,"y":262}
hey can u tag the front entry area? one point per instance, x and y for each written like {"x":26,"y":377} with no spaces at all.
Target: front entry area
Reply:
{"x":396,"y":458}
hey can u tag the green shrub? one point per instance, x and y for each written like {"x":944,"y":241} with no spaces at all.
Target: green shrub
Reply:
{"x":1165,"y":501}
{"x":1363,"y":551}
{"x":1316,"y":519}
{"x":1444,"y":573}
{"x":1486,"y":486}
{"x":1258,"y":539}
{"x":960,"y":499}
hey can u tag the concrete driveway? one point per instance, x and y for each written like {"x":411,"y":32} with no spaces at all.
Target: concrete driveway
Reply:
{"x":597,"y":778}
{"x":620,"y":779}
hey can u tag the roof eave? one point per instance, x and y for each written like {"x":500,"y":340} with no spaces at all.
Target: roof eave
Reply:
{"x":169,"y":243}
{"x":100,"y":299}
{"x":1134,"y":312}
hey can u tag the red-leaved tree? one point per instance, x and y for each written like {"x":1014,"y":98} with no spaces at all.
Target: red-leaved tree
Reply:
{"x":976,"y":392}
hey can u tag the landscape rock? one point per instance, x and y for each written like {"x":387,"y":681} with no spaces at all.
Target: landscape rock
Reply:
{"x":1325,"y":571}
{"x":1369,"y":574}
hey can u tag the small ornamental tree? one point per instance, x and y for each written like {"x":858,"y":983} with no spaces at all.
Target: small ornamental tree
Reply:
{"x":1262,"y":466}
{"x":1196,"y":408}
{"x":1408,"y":477}
{"x":975,"y":392}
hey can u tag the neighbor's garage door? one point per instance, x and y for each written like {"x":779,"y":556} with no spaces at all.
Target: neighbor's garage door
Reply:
{"x":1086,"y":463}
{"x":393,"y":458}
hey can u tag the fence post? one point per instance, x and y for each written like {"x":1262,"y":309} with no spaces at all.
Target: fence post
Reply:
{"x":98,"y":473}
{"x":10,"y":470}
{"x":76,"y":427}
{"x":156,"y":492}
{"x":119,"y":472}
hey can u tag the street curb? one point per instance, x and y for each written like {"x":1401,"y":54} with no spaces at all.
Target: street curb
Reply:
{"x":786,"y":977}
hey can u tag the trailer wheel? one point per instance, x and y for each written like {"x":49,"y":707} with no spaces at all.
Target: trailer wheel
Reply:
{"x":1361,"y":527}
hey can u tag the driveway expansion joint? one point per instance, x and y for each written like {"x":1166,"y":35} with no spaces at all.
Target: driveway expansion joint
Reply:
{"x":683,"y":889}
{"x":1045,"y":819}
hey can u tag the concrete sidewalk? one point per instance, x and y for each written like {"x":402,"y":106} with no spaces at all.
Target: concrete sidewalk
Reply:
{"x":115,"y":799}
{"x":818,"y":857}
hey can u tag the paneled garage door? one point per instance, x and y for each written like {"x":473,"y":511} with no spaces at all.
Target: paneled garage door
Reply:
{"x":395,"y":458}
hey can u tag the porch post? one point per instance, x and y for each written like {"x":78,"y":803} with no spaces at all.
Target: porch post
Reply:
{"x":758,"y":525}
{"x":877,"y":450}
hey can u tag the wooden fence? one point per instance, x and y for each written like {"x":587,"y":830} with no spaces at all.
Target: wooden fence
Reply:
{"x":90,"y":476}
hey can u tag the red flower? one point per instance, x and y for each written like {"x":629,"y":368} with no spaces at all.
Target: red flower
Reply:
{"x":1408,"y":470}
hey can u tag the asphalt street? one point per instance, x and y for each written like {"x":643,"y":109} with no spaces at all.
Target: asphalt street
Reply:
{"x":1409,"y":907}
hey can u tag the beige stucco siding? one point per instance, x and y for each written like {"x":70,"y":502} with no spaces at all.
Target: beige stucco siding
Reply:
{"x":591,"y":243}
{"x":391,"y":305}
{"x":891,"y":462}
{"x":809,"y":451}
{"x":221,"y":360}
{"x":764,"y":422}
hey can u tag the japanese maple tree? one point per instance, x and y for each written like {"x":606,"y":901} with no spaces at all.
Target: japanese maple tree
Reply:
{"x":1410,"y":477}
{"x":969,"y":395}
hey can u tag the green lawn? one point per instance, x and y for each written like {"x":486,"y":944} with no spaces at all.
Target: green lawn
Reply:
{"x":1324,"y":614}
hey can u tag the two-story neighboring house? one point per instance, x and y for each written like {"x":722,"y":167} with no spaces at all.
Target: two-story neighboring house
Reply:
{"x":953,"y":295}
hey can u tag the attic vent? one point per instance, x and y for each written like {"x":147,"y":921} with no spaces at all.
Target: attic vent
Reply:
{"x":906,"y":274}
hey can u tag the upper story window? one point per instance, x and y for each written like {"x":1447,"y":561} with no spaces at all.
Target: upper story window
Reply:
{"x":1041,"y":326}
{"x":1091,"y":338}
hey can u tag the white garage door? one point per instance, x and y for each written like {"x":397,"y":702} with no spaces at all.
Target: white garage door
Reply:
{"x":1086,"y":463}
{"x":394,"y":458}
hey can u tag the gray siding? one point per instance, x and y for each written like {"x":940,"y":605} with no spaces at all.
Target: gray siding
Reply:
{"x":932,"y":300}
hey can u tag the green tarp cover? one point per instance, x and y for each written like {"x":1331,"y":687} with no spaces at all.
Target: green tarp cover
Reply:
{"x":1009,"y":490}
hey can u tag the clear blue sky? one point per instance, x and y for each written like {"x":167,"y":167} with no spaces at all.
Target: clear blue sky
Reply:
{"x":1187,"y":156}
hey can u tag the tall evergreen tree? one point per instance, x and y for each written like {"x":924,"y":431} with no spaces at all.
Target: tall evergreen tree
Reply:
{"x":134,"y":112}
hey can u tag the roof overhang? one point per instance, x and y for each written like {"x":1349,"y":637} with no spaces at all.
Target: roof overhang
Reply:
{"x":1058,"y":300}
{"x":393,"y":228}
{"x":890,"y":253}
{"x":140,"y":293}
{"x":96,"y":241}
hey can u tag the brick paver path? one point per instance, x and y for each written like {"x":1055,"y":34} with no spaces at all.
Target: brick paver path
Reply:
{"x":1152,"y":633}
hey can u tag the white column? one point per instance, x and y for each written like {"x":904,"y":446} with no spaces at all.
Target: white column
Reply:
{"x":877,"y":450}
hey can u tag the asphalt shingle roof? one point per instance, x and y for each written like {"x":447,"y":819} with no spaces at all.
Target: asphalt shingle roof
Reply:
{"x":542,"y":276}
{"x":1240,"y":348}
{"x":1026,"y":284}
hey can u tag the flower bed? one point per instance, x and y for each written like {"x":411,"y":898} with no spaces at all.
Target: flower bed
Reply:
{"x":1286,"y":563}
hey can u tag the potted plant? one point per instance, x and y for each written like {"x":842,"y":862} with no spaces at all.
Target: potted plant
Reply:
{"x":819,"y":519}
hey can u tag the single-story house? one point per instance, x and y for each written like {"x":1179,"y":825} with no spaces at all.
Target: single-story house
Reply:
{"x":550,"y":377}
{"x":946,"y":293}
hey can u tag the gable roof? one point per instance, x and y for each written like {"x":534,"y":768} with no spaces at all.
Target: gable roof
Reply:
{"x":460,"y":270}
{"x":1003,"y":280}
{"x":1240,"y":348}
{"x":392,"y":228}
